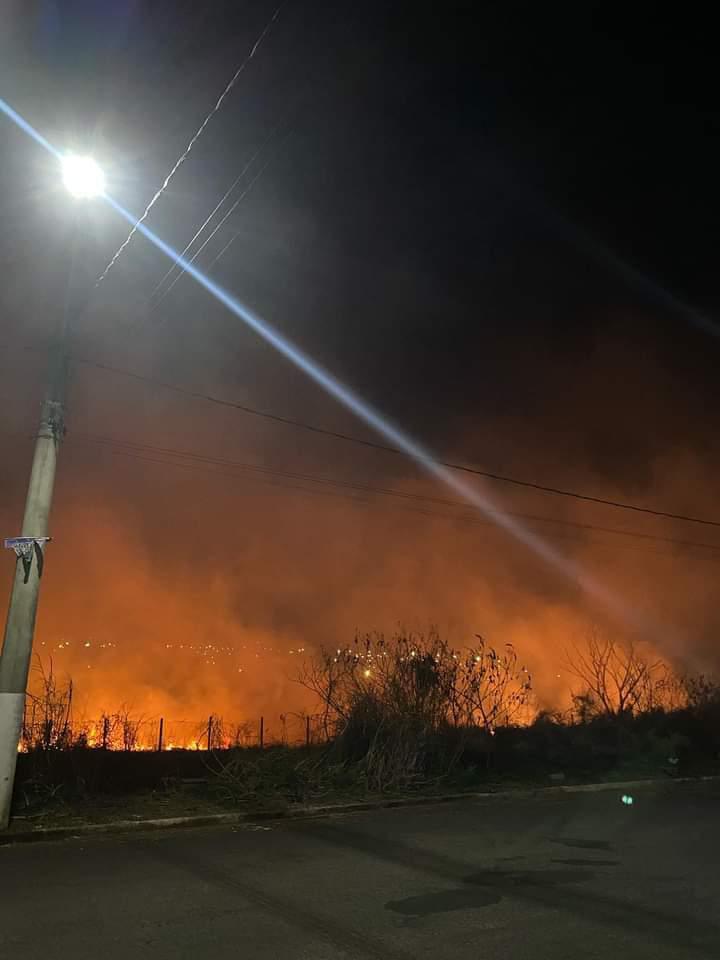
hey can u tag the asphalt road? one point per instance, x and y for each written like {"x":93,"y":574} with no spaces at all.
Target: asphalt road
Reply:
{"x":575,"y":876}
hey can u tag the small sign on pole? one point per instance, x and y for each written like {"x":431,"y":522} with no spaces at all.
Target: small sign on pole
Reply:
{"x":24,"y":548}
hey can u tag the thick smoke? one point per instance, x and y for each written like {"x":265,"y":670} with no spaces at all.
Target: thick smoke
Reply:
{"x":192,"y":589}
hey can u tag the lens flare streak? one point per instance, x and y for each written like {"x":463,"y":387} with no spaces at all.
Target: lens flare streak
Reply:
{"x":27,"y":128}
{"x":377,"y":422}
{"x":364,"y":411}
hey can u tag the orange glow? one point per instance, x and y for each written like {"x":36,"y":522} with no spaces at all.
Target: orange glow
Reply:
{"x":174,"y":594}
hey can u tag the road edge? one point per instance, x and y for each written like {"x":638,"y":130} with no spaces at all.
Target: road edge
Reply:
{"x":306,"y":812}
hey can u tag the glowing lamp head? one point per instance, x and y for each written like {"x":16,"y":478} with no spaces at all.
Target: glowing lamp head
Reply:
{"x":82,"y":176}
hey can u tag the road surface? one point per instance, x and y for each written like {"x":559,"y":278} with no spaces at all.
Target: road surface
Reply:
{"x":572,"y":876}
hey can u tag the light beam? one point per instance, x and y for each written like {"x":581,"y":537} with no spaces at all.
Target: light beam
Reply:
{"x":365,"y":412}
{"x":382,"y":425}
{"x":26,"y":128}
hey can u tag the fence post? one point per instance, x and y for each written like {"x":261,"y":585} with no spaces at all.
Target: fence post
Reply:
{"x":160,"y":735}
{"x":210,"y":725}
{"x":262,"y":732}
{"x":307,"y":731}
{"x":106,"y":728}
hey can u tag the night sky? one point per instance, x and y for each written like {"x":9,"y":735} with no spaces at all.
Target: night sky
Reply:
{"x":495,"y":224}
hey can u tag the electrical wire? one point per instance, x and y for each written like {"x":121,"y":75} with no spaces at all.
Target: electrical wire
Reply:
{"x":228,"y":214}
{"x":183,"y":156}
{"x":175,"y":267}
{"x":180,"y":270}
{"x":357,"y":500}
{"x":386,"y":448}
{"x":207,"y":240}
{"x":236,"y":234}
{"x":373,"y":444}
{"x":173,"y":457}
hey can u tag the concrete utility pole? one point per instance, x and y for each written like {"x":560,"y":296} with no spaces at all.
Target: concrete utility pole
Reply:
{"x":83,"y":179}
{"x":20,"y":625}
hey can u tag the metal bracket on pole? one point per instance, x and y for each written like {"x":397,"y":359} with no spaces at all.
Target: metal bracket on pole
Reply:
{"x":24,"y":548}
{"x":53,"y":420}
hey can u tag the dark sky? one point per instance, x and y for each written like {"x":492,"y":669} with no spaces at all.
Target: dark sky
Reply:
{"x":441,"y":188}
{"x":497,"y":224}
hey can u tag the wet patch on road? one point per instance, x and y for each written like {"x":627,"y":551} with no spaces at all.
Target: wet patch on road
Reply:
{"x":443,"y":902}
{"x":579,"y":862}
{"x":483,"y":889}
{"x":583,"y":844}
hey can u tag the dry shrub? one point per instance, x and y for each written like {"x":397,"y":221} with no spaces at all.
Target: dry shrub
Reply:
{"x":47,"y":718}
{"x":401,"y":706}
{"x":619,"y":681}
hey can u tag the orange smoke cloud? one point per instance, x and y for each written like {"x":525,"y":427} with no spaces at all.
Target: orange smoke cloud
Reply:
{"x":192,"y":590}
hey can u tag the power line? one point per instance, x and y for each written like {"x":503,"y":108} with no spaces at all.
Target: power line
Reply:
{"x":405,"y":508}
{"x":181,"y":270}
{"x":183,"y":156}
{"x":173,"y":457}
{"x":386,"y":448}
{"x":183,"y":459}
{"x":229,"y":213}
{"x":236,"y":233}
{"x":221,"y":201}
{"x":207,"y":240}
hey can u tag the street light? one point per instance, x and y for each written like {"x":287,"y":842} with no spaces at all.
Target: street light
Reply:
{"x":83,"y":179}
{"x":82,"y":176}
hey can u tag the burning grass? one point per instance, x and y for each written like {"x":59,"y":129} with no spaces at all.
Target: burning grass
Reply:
{"x":396,"y":714}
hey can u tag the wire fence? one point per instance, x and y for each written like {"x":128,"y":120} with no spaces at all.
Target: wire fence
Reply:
{"x":45,"y":729}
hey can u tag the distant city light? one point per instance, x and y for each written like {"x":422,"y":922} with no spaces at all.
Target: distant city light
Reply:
{"x":82,"y":176}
